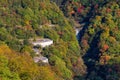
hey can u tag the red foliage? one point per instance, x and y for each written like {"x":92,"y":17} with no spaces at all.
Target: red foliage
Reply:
{"x":104,"y":59}
{"x":108,"y":10}
{"x":74,"y":65}
{"x":80,"y":9}
{"x":42,"y":5}
{"x":72,"y":12}
{"x":60,"y":33}
{"x":28,"y":27}
{"x":96,"y":6}
{"x":105,"y":47}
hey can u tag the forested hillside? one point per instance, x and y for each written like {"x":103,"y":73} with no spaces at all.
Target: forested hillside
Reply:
{"x":95,"y":56}
{"x":99,"y":37}
{"x":22,"y":20}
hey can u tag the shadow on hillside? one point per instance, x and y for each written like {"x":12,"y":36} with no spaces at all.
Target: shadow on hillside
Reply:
{"x":92,"y":55}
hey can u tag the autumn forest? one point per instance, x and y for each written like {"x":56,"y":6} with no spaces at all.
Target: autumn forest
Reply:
{"x":59,"y":40}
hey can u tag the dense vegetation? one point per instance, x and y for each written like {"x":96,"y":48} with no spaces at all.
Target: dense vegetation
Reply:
{"x":21,"y":20}
{"x":99,"y":38}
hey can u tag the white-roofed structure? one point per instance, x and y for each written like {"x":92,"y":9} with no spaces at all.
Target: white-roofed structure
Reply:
{"x":42,"y":42}
{"x":40,"y":58}
{"x":36,"y":44}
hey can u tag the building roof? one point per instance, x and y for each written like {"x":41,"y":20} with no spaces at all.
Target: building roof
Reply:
{"x":41,"y":58}
{"x":40,"y":40}
{"x":36,"y":50}
{"x":43,"y":40}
